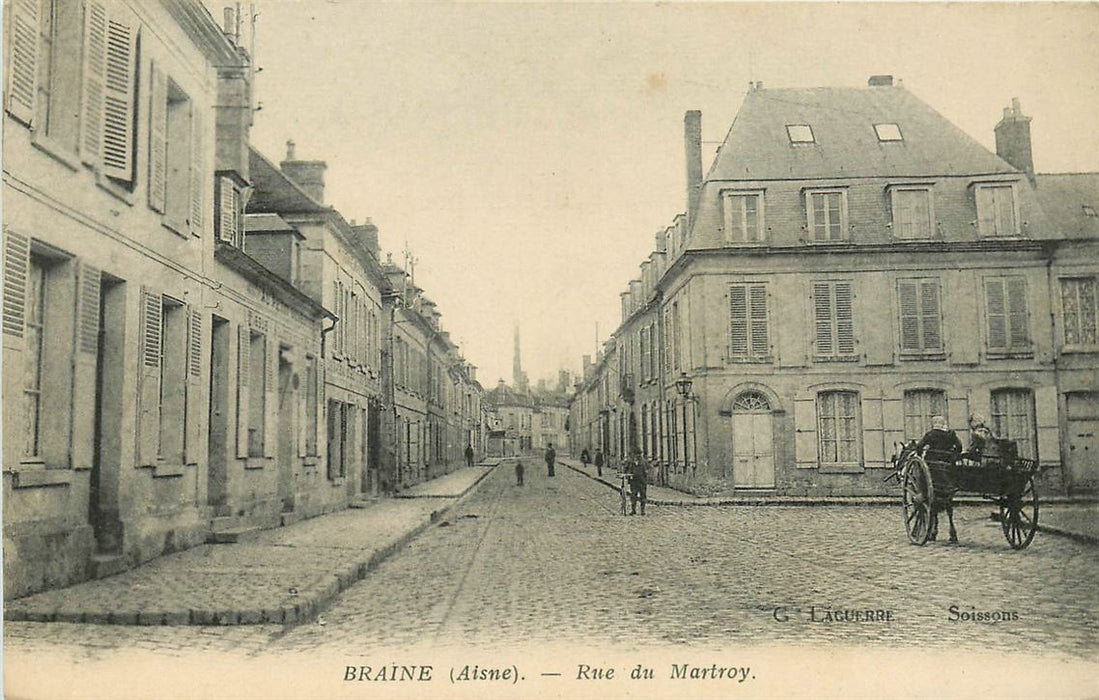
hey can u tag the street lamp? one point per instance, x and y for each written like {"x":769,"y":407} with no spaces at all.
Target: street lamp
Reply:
{"x":683,"y":386}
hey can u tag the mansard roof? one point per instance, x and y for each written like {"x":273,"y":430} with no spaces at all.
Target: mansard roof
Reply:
{"x":845,"y":143}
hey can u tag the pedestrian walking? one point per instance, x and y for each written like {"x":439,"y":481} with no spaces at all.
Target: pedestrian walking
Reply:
{"x":599,"y":462}
{"x":469,"y":455}
{"x":585,"y":458}
{"x":551,"y":456}
{"x":518,"y":472}
{"x":639,"y":480}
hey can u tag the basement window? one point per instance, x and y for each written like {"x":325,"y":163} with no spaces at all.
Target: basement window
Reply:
{"x":800,"y":133}
{"x":888,"y":132}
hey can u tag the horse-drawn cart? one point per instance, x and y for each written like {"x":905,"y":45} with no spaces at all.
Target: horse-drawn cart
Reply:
{"x":931,"y":480}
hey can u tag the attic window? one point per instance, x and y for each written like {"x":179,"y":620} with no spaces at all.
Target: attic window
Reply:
{"x":800,"y":133}
{"x":888,"y":132}
{"x":1090,"y":211}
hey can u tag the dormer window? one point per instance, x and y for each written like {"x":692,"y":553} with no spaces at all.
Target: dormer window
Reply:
{"x":996,"y":211}
{"x":826,"y":215}
{"x":800,"y":133}
{"x":888,"y":132}
{"x":743,"y":217}
{"x":230,"y":213}
{"x":913,"y":212}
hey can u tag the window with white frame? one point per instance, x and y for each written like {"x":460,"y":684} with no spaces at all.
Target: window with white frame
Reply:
{"x":913,"y":215}
{"x":834,"y":336}
{"x":826,"y":215}
{"x":1079,"y":301}
{"x":1013,"y":418}
{"x":800,"y":133}
{"x":34,"y":340}
{"x":749,"y":334}
{"x":920,"y":406}
{"x":838,"y":427}
{"x":1006,"y":314}
{"x":743,"y":217}
{"x":996,"y":211}
{"x":920,"y":317}
{"x":888,"y":132}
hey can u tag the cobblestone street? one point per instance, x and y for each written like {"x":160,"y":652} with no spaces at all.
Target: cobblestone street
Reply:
{"x":554,"y":562}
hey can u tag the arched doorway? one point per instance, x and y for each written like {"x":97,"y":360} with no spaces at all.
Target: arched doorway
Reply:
{"x":753,"y":441}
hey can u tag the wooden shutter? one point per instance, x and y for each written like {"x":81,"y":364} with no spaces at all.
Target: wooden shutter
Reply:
{"x":845,"y":328}
{"x":738,"y":321}
{"x":910,"y":315}
{"x":997,"y":314}
{"x":244,"y":340}
{"x":95,"y":69}
{"x":118,"y":98}
{"x":805,"y":432}
{"x":23,"y":59}
{"x":986,"y":211}
{"x":158,"y":139}
{"x":84,"y":367}
{"x":198,"y":178}
{"x":17,"y":257}
{"x":760,"y":335}
{"x":930,"y":318}
{"x":271,"y":393}
{"x":822,"y":316}
{"x":192,"y":437}
{"x":148,"y":433}
{"x":1018,"y":322}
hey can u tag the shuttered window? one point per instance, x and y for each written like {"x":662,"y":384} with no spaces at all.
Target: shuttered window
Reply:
{"x":1007,"y":317}
{"x":833,"y":323}
{"x":1013,"y":418}
{"x":257,"y":393}
{"x":912,"y":215}
{"x":117,"y":156}
{"x":838,"y":427}
{"x":749,"y":337}
{"x":743,"y":217}
{"x":230,"y":222}
{"x":1080,"y":307}
{"x":23,"y":47}
{"x":996,"y":210}
{"x":826,"y":211}
{"x":920,"y":317}
{"x":33,"y":350}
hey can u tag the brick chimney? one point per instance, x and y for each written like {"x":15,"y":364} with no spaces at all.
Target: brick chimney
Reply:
{"x":692,"y":142}
{"x":1013,"y":138}
{"x":307,"y":174}
{"x":367,"y":233}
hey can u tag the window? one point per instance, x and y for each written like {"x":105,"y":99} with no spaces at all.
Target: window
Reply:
{"x":743,"y":217}
{"x":172,"y":406}
{"x":175,"y":159}
{"x":1013,"y":418}
{"x":230,"y":219}
{"x":257,"y":388}
{"x":1078,"y":301}
{"x":996,"y":215}
{"x":920,"y":320}
{"x":838,"y":427}
{"x":1006,"y":311}
{"x":799,"y":133}
{"x":337,"y":439}
{"x":676,"y":358}
{"x":920,"y":405}
{"x":34,"y":345}
{"x":643,"y":340}
{"x":913,"y":218}
{"x":826,"y":213}
{"x":888,"y":132}
{"x":834,"y":327}
{"x":749,"y":338}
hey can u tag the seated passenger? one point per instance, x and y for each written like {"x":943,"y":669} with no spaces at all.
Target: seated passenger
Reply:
{"x":981,"y":439}
{"x":940,"y":442}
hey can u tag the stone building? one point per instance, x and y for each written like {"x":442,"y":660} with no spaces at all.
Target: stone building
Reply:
{"x":851,"y":265}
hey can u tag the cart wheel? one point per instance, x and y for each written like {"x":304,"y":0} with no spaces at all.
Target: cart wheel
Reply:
{"x":918,"y":495}
{"x":1019,"y":515}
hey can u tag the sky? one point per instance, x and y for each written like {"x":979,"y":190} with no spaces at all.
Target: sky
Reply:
{"x":528,"y":153}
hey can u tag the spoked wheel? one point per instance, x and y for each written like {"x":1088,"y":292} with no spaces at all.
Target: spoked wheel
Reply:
{"x":918,"y":495}
{"x":1019,"y":515}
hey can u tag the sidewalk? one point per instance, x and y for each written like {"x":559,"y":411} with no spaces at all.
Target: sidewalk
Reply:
{"x":1061,"y":515}
{"x":282,"y":575}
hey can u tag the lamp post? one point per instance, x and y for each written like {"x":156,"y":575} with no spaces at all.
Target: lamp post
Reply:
{"x":683,"y":386}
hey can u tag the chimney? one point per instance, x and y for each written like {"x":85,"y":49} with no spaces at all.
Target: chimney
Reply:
{"x":880,"y":81}
{"x":1013,"y":138}
{"x":692,"y":141}
{"x":367,"y":233}
{"x":307,"y":174}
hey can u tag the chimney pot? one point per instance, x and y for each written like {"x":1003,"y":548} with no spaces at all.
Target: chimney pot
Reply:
{"x":289,"y":149}
{"x":230,"y":23}
{"x":880,"y":81}
{"x":1013,"y":139}
{"x":1015,"y":106}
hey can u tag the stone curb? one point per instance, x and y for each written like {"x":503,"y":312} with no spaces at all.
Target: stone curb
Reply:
{"x":308,"y":605}
{"x":1078,"y":536}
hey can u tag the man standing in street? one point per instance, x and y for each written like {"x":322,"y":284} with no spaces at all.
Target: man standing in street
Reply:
{"x":469,"y":455}
{"x":550,"y":457}
{"x":639,"y":479}
{"x":599,"y":462}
